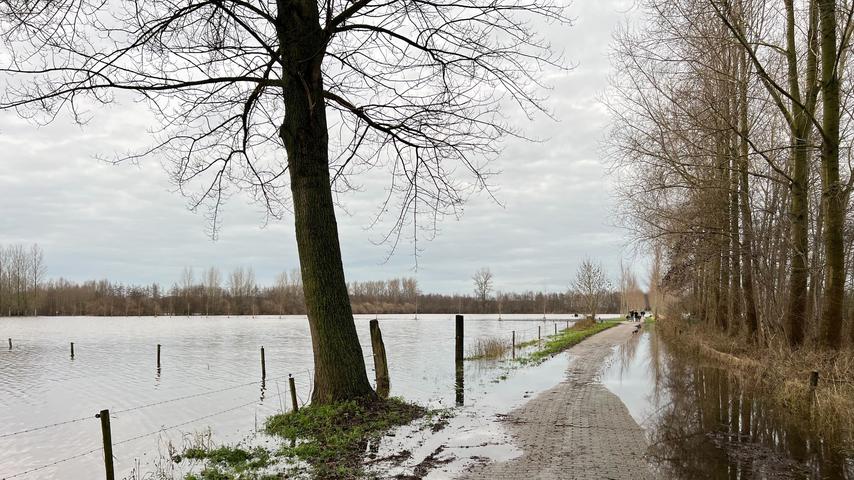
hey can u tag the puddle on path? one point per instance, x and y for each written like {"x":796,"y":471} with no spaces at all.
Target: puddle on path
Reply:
{"x":701,"y":423}
{"x":475,"y":433}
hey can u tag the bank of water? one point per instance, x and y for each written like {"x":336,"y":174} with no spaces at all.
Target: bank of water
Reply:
{"x":702,"y":422}
{"x":208,"y":381}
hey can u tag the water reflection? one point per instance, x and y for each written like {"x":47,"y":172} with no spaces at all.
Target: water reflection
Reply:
{"x":459,"y":384}
{"x":702,"y":422}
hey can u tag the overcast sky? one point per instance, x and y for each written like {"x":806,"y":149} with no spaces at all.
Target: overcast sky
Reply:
{"x":123,"y":223}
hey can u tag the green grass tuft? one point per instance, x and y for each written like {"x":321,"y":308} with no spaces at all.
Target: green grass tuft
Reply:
{"x":333,"y":438}
{"x":229,"y":463}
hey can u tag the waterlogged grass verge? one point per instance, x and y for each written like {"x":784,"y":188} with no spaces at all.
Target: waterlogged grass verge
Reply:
{"x":332,"y":439}
{"x":321,"y":442}
{"x":227,"y":463}
{"x":555,"y":344}
{"x":489,"y":348}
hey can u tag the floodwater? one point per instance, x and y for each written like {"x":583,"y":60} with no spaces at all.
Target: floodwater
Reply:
{"x":702,"y":423}
{"x":208,"y":380}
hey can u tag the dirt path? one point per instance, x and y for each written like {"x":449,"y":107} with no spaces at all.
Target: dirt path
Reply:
{"x":578,"y":429}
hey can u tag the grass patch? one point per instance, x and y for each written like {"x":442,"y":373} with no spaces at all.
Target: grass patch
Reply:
{"x":489,"y":348}
{"x":228,"y":463}
{"x":567,"y":338}
{"x":333,"y":439}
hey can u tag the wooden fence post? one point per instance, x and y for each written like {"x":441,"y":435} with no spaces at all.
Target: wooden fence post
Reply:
{"x":158,"y":356}
{"x":108,"y":443}
{"x":72,"y":350}
{"x":263,"y":365}
{"x":539,"y":334}
{"x":294,"y":405}
{"x":458,"y":356}
{"x":10,"y":344}
{"x":380,"y":362}
{"x":513,"y":342}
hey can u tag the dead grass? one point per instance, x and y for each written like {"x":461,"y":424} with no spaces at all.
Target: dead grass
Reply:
{"x":485,"y":348}
{"x":783,"y":377}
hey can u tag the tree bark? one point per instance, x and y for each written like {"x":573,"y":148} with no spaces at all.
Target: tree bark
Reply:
{"x":339,"y":364}
{"x":796,"y":316}
{"x":830,"y":329}
{"x":750,"y":316}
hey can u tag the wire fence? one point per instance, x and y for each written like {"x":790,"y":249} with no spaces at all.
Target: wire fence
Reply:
{"x":302,"y":378}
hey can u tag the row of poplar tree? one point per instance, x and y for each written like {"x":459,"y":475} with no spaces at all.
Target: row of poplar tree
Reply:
{"x":732,"y":139}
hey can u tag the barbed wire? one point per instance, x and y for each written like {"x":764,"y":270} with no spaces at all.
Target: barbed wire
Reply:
{"x":195,"y":395}
{"x":42,"y":467}
{"x":140,"y":407}
{"x":45,"y":427}
{"x":171,"y":427}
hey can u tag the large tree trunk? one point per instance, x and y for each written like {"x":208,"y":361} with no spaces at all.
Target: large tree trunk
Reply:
{"x":830,"y":332}
{"x":339,"y":364}
{"x":722,"y":239}
{"x":736,"y":321}
{"x":796,"y":316}
{"x":750,"y":317}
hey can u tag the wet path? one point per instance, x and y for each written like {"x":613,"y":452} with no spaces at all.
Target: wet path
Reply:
{"x":577,"y":429}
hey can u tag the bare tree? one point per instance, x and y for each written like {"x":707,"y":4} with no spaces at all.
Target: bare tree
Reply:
{"x":482,"y":286}
{"x":212,"y":287}
{"x":246,"y":90}
{"x":187,"y":282}
{"x":591,"y":285}
{"x":37,"y":271}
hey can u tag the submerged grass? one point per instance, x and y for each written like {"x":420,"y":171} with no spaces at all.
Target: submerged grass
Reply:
{"x":566,"y":338}
{"x":332,"y":439}
{"x":488,"y":348}
{"x":782,"y":376}
{"x":322,"y":441}
{"x":230,"y":463}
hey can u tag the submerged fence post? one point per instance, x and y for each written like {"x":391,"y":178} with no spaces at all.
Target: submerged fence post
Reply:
{"x":459,"y":339}
{"x":108,"y":443}
{"x":380,"y":363}
{"x":513,"y":342}
{"x":263,"y":365}
{"x":10,"y":344}
{"x":293,"y":386}
{"x":555,"y":329}
{"x":459,"y":357}
{"x":72,"y":350}
{"x":539,"y":334}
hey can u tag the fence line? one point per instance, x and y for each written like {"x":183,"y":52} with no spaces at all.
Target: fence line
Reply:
{"x":128,"y":440}
{"x":171,"y":427}
{"x":45,"y":427}
{"x":42,"y":467}
{"x":140,"y":407}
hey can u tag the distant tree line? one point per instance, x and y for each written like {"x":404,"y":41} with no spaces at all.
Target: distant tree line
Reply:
{"x":22,"y":272}
{"x":24,"y":290}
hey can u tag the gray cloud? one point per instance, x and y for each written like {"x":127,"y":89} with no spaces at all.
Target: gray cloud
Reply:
{"x":97,"y":220}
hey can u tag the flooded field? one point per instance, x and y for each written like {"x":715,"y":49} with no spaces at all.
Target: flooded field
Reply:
{"x":209,"y":378}
{"x":702,"y":423}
